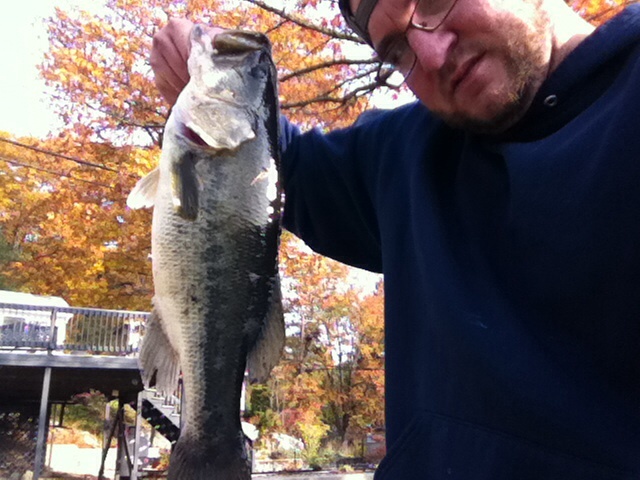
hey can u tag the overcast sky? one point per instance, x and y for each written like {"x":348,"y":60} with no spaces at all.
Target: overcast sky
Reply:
{"x":23,"y":107}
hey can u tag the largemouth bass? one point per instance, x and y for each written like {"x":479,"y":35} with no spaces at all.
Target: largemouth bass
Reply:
{"x":216,"y":223}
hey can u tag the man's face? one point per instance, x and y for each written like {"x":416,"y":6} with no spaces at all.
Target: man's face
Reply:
{"x":482,"y":67}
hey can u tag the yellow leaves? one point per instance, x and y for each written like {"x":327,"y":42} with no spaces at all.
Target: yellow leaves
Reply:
{"x":599,"y":11}
{"x":99,"y":69}
{"x":334,"y":363}
{"x":64,"y":204}
{"x":312,"y":431}
{"x":63,"y":217}
{"x":99,"y":64}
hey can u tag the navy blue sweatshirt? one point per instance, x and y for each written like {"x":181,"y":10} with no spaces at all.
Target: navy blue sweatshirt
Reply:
{"x":511,"y":267}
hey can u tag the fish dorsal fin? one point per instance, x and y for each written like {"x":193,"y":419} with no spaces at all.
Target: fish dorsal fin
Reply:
{"x":143,"y":194}
{"x":268,"y":348}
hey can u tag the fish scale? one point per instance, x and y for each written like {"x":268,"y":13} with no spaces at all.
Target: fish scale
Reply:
{"x":216,"y":224}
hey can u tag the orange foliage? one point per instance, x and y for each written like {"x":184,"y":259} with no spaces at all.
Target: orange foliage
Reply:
{"x":62,"y":200}
{"x":98,"y":65}
{"x":334,"y":363}
{"x":67,"y":221}
{"x":599,"y":11}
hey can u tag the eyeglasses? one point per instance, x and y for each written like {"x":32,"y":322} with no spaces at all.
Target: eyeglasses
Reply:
{"x":397,"y":58}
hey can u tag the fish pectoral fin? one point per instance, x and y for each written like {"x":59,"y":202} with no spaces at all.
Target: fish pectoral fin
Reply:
{"x":185,"y":186}
{"x":268,"y":348}
{"x":143,"y":194}
{"x":158,"y":357}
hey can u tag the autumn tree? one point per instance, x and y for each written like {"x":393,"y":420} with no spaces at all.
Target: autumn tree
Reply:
{"x":329,"y":386}
{"x":62,"y":199}
{"x":66,"y":210}
{"x":66,"y":216}
{"x":599,"y":11}
{"x":7,"y":255}
{"x":98,"y":65}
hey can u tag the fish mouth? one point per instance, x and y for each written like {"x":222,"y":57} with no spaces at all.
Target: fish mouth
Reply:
{"x":232,"y":42}
{"x":192,"y":136}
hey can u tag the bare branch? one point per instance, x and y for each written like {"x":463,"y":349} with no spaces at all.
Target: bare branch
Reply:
{"x":330,"y":32}
{"x":277,"y":26}
{"x":154,"y":130}
{"x":327,"y":98}
{"x":358,"y":76}
{"x":327,"y":64}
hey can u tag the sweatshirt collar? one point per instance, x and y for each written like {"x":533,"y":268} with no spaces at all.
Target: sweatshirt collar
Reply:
{"x":580,"y":79}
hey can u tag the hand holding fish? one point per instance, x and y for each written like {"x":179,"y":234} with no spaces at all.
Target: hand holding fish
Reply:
{"x":169,"y":53}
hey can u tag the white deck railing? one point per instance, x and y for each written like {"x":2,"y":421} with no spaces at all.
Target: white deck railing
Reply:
{"x":92,"y":330}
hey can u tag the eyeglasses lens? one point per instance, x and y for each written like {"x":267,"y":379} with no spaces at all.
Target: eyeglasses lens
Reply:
{"x":429,"y":14}
{"x":397,"y":62}
{"x":399,"y":58}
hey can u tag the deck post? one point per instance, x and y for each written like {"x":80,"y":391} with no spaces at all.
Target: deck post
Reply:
{"x":53,"y":332}
{"x":42,"y":425}
{"x":119,"y":437}
{"x":136,"y":444}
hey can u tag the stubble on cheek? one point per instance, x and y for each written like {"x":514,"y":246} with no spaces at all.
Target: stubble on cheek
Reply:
{"x":524,"y":58}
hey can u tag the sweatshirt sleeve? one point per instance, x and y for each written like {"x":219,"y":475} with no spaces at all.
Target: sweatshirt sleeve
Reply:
{"x":329,"y":194}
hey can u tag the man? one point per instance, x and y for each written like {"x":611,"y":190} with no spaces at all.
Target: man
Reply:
{"x":503,"y":210}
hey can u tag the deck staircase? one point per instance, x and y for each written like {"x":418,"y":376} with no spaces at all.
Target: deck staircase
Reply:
{"x":162,"y":412}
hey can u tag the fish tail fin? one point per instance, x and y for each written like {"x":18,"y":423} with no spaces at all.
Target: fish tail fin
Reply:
{"x":191,"y":461}
{"x":158,"y":357}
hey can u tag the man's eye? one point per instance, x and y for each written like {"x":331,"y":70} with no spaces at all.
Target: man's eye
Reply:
{"x":390,"y":53}
{"x":398,"y":54}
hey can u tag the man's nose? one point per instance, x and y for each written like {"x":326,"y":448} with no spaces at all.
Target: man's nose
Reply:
{"x":431,"y":48}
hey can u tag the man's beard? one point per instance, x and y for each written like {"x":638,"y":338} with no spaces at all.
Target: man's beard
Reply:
{"x":501,"y":120}
{"x":510,"y":113}
{"x":527,"y":67}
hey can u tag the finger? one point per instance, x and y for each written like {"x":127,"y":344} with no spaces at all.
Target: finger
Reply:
{"x":168,"y":82}
{"x":172,"y":68}
{"x":180,"y":46}
{"x":170,"y":49}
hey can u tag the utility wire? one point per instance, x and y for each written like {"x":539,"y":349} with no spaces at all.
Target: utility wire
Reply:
{"x":51,"y":172}
{"x":60,"y":155}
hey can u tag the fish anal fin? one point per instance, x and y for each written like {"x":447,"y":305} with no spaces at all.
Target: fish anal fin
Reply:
{"x":158,"y":357}
{"x":143,"y":194}
{"x":268,"y":348}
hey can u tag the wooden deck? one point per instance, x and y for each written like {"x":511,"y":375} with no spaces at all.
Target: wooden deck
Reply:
{"x":22,"y":375}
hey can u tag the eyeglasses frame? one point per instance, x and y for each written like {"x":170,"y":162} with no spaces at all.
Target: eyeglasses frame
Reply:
{"x":382,"y":77}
